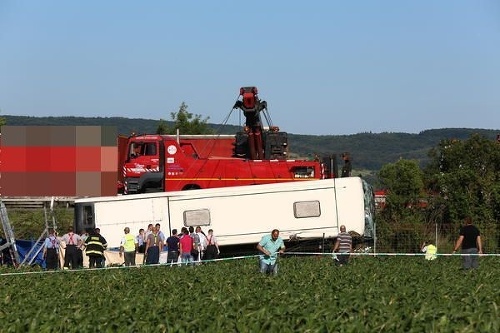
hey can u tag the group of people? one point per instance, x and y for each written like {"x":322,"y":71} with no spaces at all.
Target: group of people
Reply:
{"x":189,"y":246}
{"x":271,"y":246}
{"x":193,"y":245}
{"x":469,"y":240}
{"x":91,"y":241}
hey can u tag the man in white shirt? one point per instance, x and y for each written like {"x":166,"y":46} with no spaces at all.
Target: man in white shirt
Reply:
{"x":202,"y":245}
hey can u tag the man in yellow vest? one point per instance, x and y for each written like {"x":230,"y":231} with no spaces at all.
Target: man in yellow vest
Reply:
{"x":128,"y":247}
{"x":430,"y":250}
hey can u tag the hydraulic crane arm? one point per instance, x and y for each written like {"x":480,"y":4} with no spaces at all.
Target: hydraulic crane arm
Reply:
{"x":252,"y":107}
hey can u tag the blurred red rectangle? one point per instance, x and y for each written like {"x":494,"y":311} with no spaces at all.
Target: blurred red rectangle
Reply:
{"x":13,"y":159}
{"x":38,"y":184}
{"x":62,"y":159}
{"x":88,"y":184}
{"x":37,"y":159}
{"x":13,"y":184}
{"x":88,"y":159}
{"x":109,"y":158}
{"x":62,"y":184}
{"x":108,"y":183}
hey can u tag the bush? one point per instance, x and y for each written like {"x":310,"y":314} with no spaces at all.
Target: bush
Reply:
{"x":30,"y":223}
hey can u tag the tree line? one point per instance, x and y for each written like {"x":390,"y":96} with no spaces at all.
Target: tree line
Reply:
{"x":435,"y":177}
{"x":369,"y":151}
{"x":461,"y":180}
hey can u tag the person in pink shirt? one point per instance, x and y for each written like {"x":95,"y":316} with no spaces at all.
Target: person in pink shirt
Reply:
{"x":186,"y":245}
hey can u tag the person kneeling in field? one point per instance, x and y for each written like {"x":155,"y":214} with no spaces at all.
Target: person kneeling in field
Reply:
{"x":430,"y":250}
{"x":270,"y":246}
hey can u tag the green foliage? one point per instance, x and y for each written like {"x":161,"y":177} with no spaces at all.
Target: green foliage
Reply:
{"x":30,"y":223}
{"x":3,"y":121}
{"x":373,"y":150}
{"x":186,"y":123}
{"x":369,"y":151}
{"x":404,"y":178}
{"x":404,"y":234}
{"x":467,"y":174}
{"x":308,"y":295}
{"x":162,"y":127}
{"x":404,"y":182}
{"x":462,"y":179}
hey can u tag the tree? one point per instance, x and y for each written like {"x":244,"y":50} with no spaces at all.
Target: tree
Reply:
{"x":185,"y":122}
{"x":462,"y":179}
{"x":3,"y":121}
{"x":404,"y":183}
{"x":466,"y":174}
{"x":401,"y":223}
{"x":162,"y":127}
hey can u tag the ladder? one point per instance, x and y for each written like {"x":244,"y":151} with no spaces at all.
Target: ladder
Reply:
{"x":38,"y":246}
{"x":9,"y":235}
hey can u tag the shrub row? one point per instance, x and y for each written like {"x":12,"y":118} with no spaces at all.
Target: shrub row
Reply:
{"x":383,"y":294}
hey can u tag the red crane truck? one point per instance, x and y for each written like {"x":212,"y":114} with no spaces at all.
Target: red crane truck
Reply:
{"x":158,"y":163}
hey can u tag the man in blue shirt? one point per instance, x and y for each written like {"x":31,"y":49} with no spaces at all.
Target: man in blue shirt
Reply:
{"x":270,"y":246}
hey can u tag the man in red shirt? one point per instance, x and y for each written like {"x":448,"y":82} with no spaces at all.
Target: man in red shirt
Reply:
{"x":186,"y":245}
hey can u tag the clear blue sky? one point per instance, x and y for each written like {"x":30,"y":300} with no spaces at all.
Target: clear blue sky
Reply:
{"x":324,"y":67}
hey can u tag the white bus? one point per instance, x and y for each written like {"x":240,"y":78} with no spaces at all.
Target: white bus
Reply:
{"x":238,"y":215}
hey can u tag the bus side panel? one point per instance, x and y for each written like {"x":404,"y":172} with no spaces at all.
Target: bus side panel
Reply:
{"x":112,"y":217}
{"x":350,"y":203}
{"x":242,"y":218}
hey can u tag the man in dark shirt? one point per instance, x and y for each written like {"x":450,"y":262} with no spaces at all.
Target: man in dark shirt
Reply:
{"x":73,"y":242}
{"x":95,"y":246}
{"x":470,"y":240}
{"x":173,"y":248}
{"x":51,"y":250}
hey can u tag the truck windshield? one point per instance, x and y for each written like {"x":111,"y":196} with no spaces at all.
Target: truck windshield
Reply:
{"x":142,"y":149}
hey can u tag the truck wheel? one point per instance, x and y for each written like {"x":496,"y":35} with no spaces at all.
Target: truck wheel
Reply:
{"x":152,"y":190}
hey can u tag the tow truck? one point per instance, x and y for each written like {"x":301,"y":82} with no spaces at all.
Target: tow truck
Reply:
{"x":255,"y":155}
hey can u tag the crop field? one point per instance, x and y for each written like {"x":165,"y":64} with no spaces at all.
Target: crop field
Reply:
{"x":310,"y":294}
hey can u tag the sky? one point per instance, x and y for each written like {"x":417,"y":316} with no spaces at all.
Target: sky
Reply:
{"x":324,"y":67}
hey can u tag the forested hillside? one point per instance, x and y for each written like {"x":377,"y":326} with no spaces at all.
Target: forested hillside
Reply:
{"x":369,"y":151}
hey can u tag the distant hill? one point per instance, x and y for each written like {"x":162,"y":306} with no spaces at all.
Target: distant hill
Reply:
{"x":369,"y":151}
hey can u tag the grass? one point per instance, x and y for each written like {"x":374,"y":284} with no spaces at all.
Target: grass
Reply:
{"x":384,"y":294}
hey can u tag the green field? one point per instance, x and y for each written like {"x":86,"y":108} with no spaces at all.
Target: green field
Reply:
{"x":382,"y":294}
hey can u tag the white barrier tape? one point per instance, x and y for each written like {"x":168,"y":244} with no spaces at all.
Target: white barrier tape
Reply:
{"x":397,"y":254}
{"x":245,"y":257}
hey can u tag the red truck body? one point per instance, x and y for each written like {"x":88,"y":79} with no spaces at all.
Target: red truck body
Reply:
{"x":157,"y":163}
{"x":168,"y":163}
